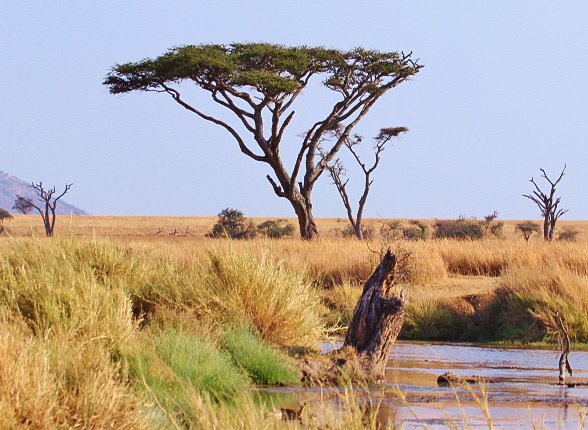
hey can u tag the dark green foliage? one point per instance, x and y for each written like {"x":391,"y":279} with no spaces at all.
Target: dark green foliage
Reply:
{"x":276,"y":229}
{"x":469,"y":229}
{"x":23,"y":205}
{"x":394,"y":230}
{"x":416,"y":231}
{"x":527,"y":229}
{"x":232,"y":223}
{"x":269,"y":68}
{"x":460,"y":228}
{"x":4,"y":214}
{"x":263,"y":364}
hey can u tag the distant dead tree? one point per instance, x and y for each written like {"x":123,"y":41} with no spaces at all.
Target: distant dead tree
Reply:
{"x":47,"y":199}
{"x":547,"y":204}
{"x":338,"y":171}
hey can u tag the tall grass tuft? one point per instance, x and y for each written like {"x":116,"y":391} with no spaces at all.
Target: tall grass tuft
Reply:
{"x":532,"y":296}
{"x":432,"y":319}
{"x":280,"y":305}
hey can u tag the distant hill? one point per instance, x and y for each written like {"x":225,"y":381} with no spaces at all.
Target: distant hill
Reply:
{"x":10,"y":186}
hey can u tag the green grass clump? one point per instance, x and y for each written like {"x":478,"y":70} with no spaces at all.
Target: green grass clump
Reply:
{"x":175,"y":365}
{"x":263,"y":364}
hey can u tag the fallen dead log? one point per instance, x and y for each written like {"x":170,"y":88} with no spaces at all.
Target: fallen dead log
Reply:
{"x":377,"y":320}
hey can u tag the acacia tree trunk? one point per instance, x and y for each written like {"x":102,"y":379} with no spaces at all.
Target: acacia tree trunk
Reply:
{"x":308,"y":228}
{"x":303,"y":207}
{"x":377,"y":320}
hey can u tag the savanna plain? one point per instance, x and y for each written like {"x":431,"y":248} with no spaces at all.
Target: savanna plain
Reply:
{"x":146,"y":323}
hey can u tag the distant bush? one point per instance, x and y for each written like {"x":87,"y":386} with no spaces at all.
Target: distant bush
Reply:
{"x":349,"y":232}
{"x":527,"y":229}
{"x":276,"y":229}
{"x":391,"y":231}
{"x":568,"y":234}
{"x":491,"y":226}
{"x":232,"y":223}
{"x":469,"y":229}
{"x":460,"y":228}
{"x":417,"y":231}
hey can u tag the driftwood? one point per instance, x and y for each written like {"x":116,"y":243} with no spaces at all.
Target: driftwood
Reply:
{"x":451,"y":379}
{"x":564,"y":364}
{"x":377,"y":320}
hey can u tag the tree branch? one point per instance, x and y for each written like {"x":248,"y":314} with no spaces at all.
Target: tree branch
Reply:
{"x":244,"y":149}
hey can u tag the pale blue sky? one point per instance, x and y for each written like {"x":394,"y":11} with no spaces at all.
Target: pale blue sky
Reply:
{"x":504,"y":92}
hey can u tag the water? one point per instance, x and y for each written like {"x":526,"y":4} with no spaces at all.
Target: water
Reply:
{"x":521,"y":389}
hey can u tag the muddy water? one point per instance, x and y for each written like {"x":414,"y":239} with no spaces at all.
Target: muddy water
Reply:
{"x":521,"y":391}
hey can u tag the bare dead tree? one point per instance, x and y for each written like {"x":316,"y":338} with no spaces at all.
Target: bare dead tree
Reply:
{"x":48,"y":201}
{"x":548,"y":204}
{"x":337,"y":171}
{"x":377,"y":320}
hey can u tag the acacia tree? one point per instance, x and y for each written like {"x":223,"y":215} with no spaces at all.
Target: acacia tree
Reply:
{"x":48,"y":205}
{"x":547,"y":205}
{"x":527,"y":229}
{"x":337,"y":170}
{"x":259,"y":83}
{"x":4,"y":214}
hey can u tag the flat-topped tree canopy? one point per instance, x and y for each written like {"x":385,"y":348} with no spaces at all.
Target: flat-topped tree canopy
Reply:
{"x":251,"y":78}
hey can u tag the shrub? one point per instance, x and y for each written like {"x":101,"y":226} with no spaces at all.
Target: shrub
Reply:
{"x":391,"y":231}
{"x":460,"y":228}
{"x":349,"y":232}
{"x":417,"y":231}
{"x":232,"y":223}
{"x":276,"y":229}
{"x":568,"y":234}
{"x":527,"y":229}
{"x":491,"y":226}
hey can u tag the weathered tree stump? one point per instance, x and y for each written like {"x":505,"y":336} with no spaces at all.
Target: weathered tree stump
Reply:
{"x":377,"y":320}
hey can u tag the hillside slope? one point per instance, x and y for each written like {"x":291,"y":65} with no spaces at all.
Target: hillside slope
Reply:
{"x":10,"y":186}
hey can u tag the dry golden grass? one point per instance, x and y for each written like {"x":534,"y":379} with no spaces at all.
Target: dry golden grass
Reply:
{"x":66,"y":304}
